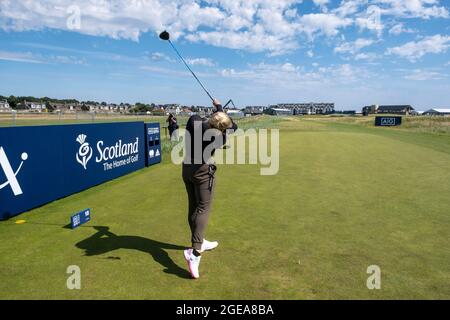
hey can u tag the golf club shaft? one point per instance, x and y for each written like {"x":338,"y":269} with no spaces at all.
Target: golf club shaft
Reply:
{"x":212,"y":99}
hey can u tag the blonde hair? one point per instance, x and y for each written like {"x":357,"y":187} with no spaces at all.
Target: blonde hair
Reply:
{"x":220,"y":121}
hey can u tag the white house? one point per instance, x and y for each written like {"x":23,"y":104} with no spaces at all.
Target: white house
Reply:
{"x":4,"y":106}
{"x":36,"y":107}
{"x":172,"y":108}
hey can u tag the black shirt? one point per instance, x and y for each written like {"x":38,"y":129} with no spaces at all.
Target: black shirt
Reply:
{"x":198,"y":141}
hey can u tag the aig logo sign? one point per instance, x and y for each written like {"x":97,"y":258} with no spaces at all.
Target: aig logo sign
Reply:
{"x":388,"y":122}
{"x":11,"y":175}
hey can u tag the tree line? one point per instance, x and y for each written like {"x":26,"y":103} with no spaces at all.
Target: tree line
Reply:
{"x":138,"y":107}
{"x":15,"y":101}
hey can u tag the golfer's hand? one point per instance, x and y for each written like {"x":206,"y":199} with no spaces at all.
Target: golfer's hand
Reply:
{"x":217,"y":105}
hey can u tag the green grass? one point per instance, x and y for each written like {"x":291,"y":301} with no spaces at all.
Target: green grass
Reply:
{"x":347,"y":196}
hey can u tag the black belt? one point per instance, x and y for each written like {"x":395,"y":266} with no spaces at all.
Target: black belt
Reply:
{"x":211,"y":170}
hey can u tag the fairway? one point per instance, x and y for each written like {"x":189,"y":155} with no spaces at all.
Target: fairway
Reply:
{"x":347,"y":196}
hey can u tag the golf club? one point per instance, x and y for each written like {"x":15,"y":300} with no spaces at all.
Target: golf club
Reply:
{"x":166,"y":36}
{"x":226,"y":104}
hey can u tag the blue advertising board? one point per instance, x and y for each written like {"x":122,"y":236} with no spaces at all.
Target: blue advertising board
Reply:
{"x":80,"y":218}
{"x":153,"y":135}
{"x":40,"y":164}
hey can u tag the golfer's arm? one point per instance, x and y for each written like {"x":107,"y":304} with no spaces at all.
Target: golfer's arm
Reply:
{"x":234,"y":126}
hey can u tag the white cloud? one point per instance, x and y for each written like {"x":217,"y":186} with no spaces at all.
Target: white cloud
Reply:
{"x":158,"y":56}
{"x":291,"y":13}
{"x":369,"y":14}
{"x":255,"y":41}
{"x":29,"y":57}
{"x":116,"y":19}
{"x":370,"y":56}
{"x":200,"y":62}
{"x":58,"y":59}
{"x":266,"y":72}
{"x":322,"y":4}
{"x":353,"y":47}
{"x":399,"y":29}
{"x":18,"y":57}
{"x":164,"y":71}
{"x":274,"y":26}
{"x":323,"y":23}
{"x":256,"y":25}
{"x":424,"y":9}
{"x":349,"y":7}
{"x":423,"y":75}
{"x":290,"y":75}
{"x":371,"y":20}
{"x":170,"y":72}
{"x":415,"y":50}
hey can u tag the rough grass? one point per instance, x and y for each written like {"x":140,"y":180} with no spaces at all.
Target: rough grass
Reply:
{"x":437,"y":125}
{"x":440,"y":125}
{"x":347,"y":196}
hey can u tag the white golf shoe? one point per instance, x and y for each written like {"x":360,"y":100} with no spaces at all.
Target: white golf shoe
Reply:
{"x":208,"y":245}
{"x":193,"y":262}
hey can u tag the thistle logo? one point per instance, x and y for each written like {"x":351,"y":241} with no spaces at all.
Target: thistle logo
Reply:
{"x":85,"y":152}
{"x":11,"y":176}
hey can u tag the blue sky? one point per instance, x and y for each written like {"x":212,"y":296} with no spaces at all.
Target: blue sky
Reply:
{"x":256,"y":52}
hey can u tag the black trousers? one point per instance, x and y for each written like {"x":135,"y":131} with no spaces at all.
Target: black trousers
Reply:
{"x":199,"y":182}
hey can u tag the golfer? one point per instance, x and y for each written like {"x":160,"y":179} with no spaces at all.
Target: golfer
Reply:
{"x":198,"y":177}
{"x":172,"y":125}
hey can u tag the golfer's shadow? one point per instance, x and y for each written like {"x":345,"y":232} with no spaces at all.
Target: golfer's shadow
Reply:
{"x":105,"y":241}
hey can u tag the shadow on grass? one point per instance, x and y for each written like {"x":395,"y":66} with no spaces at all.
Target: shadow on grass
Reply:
{"x":105,"y":241}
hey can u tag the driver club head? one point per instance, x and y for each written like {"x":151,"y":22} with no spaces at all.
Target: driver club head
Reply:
{"x":164,"y":35}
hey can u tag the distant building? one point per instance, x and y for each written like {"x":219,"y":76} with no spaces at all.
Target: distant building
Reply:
{"x":172,"y":108}
{"x":235,"y":114}
{"x":202,"y":110}
{"x":36,"y":106}
{"x":186,"y":111}
{"x":307,"y":108}
{"x":22,"y":106}
{"x":346,"y":112}
{"x":437,"y":112}
{"x":72,"y":108}
{"x":278,"y":111}
{"x":388,"y":109}
{"x":92,"y":107}
{"x":396,"y":109}
{"x":65,"y":108}
{"x":159,"y":111}
{"x":254,"y":110}
{"x":369,"y":110}
{"x":4,"y":106}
